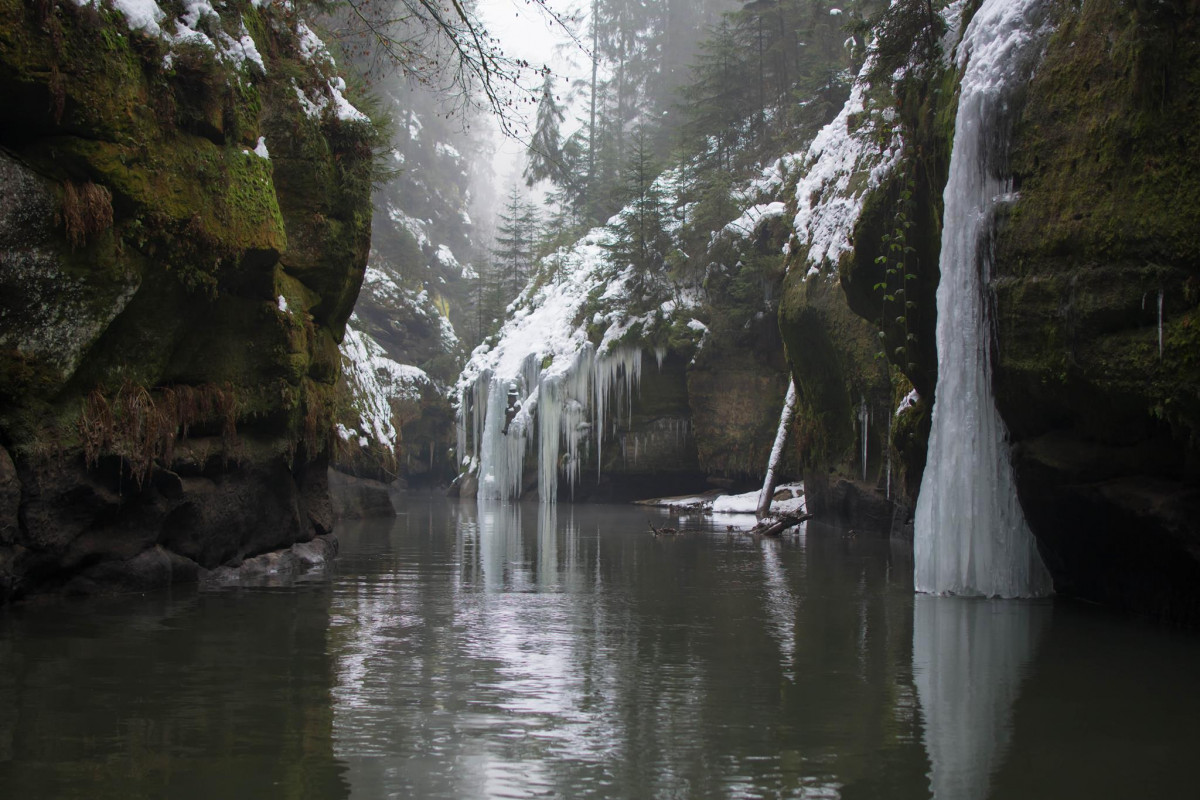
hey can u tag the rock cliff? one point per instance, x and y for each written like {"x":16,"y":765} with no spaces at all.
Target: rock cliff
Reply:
{"x":184,"y":224}
{"x":1095,"y":302}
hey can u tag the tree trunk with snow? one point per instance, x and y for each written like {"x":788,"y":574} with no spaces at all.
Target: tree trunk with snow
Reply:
{"x":785,"y":421}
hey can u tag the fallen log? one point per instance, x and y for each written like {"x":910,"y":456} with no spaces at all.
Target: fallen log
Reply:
{"x":774,"y":527}
{"x":666,"y":530}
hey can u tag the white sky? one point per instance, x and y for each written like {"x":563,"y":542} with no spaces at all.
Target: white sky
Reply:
{"x":526,"y":32}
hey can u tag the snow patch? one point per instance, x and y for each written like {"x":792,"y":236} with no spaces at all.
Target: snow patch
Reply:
{"x":755,"y":215}
{"x":377,"y":381}
{"x":747,"y":503}
{"x":446,"y":256}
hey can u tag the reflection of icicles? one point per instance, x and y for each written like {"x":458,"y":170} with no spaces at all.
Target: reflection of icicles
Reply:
{"x":1160,"y":324}
{"x":499,"y":536}
{"x":781,"y":606}
{"x":864,"y":421}
{"x":969,"y":657}
{"x":547,"y":555}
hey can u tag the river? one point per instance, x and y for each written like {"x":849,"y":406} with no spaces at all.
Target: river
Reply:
{"x":464,"y":651}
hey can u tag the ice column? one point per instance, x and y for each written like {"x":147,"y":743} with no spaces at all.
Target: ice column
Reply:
{"x":971,"y":536}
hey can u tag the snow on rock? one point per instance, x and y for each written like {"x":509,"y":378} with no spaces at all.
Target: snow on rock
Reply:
{"x":448,"y":150}
{"x":543,"y":321}
{"x":841,"y":166}
{"x":446,"y":256}
{"x":752,"y":217}
{"x":140,"y":15}
{"x":377,"y":381}
{"x":316,"y":102}
{"x":311,"y":45}
{"x":240,"y":51}
{"x":417,"y":227}
{"x":342,"y":108}
{"x":260,"y":149}
{"x":747,"y":503}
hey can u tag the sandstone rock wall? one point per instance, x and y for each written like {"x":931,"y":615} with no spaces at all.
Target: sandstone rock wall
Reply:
{"x":183,"y":233}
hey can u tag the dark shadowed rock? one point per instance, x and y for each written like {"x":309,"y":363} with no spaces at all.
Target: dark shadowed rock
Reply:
{"x":359,"y":498}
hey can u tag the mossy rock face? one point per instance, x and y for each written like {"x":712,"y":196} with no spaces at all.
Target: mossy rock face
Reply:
{"x":736,"y":386}
{"x":144,"y":250}
{"x":1106,"y":157}
{"x":840,"y":377}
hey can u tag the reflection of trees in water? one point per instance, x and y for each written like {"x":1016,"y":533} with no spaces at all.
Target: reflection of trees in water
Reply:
{"x":780,"y":606}
{"x":969,"y":659}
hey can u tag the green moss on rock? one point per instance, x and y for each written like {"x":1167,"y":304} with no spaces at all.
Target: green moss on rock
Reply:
{"x":177,"y":285}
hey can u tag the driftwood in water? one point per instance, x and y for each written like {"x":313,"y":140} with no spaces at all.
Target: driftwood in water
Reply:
{"x":663,"y":531}
{"x":774,"y":527}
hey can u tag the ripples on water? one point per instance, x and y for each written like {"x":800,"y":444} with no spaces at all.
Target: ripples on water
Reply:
{"x":519,"y":651}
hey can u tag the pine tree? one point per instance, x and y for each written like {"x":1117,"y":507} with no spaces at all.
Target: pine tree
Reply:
{"x":516,"y":240}
{"x":641,"y":240}
{"x":545,"y":152}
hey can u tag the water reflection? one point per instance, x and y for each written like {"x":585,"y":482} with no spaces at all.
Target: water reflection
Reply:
{"x":970,"y":657}
{"x":181,"y":695}
{"x":492,"y":651}
{"x":582,"y":657}
{"x":780,"y":606}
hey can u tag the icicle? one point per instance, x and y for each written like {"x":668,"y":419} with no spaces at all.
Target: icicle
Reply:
{"x":617,"y":373}
{"x":572,"y":403}
{"x":1160,"y":324}
{"x":460,"y":432}
{"x":785,"y":419}
{"x":971,"y":534}
{"x":549,"y":429}
{"x":659,"y":354}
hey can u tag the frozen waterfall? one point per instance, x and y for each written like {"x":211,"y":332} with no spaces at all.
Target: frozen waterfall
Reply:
{"x":971,"y":534}
{"x":555,"y":412}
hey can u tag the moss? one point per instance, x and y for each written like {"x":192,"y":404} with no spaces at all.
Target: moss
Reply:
{"x":1121,"y":181}
{"x":1108,"y":216}
{"x":833,"y":356}
{"x":204,"y":235}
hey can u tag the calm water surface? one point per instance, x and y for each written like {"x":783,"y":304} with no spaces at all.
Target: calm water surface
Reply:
{"x":472,"y":652}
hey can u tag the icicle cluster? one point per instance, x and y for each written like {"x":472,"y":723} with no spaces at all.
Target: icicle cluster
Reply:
{"x":556,"y":413}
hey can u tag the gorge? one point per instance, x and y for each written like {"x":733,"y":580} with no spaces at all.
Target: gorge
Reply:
{"x":803,"y":400}
{"x":182,"y":261}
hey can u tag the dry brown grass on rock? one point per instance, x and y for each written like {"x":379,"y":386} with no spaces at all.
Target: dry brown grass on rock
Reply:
{"x":86,"y":210}
{"x":141,"y":426}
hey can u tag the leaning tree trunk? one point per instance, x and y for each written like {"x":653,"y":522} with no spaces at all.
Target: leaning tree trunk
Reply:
{"x":785,"y":421}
